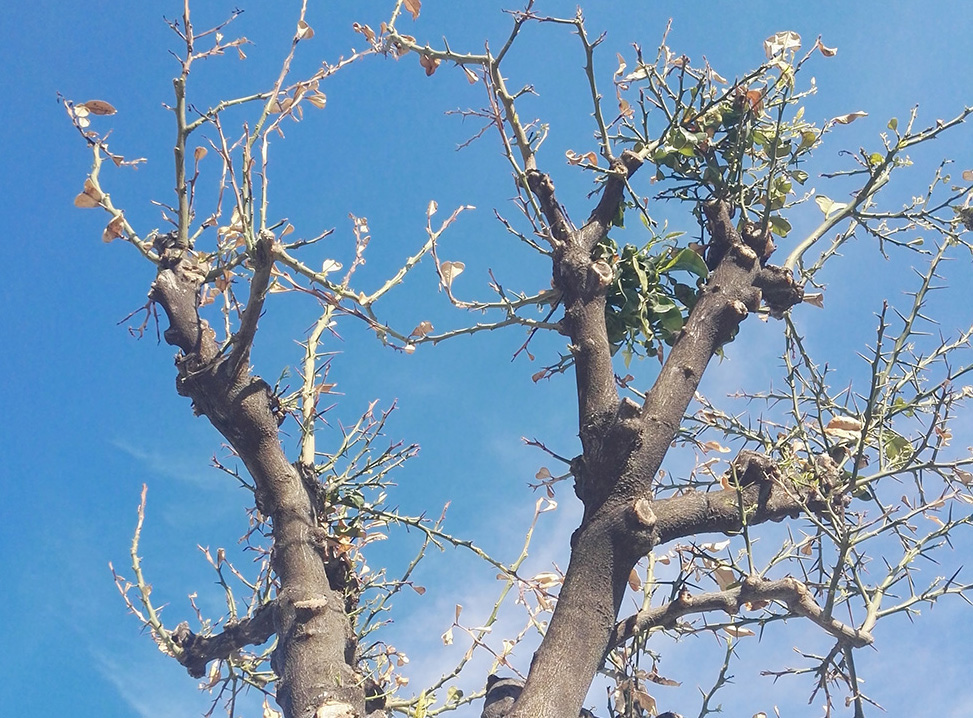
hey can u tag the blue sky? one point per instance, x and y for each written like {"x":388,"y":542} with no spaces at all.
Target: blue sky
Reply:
{"x":91,"y":413}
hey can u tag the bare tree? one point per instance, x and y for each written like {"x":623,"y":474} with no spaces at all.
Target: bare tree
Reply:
{"x":831,"y":464}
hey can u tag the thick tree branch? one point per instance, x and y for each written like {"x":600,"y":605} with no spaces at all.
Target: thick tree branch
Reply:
{"x":623,"y":449}
{"x":762,"y":494}
{"x":198,"y":651}
{"x":729,"y":296}
{"x":543,"y":188}
{"x":789,"y":591}
{"x":315,"y":654}
{"x":604,"y":213}
{"x":262,"y":259}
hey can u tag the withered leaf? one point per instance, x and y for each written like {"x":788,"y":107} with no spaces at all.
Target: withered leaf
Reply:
{"x":413,"y":7}
{"x":365,"y":30}
{"x":114,"y":230}
{"x":451,"y":270}
{"x":304,"y":31}
{"x":96,"y":107}
{"x":738,"y":631}
{"x":849,"y":118}
{"x":424,"y":328}
{"x":825,"y":50}
{"x":430,"y":63}
{"x":90,"y":197}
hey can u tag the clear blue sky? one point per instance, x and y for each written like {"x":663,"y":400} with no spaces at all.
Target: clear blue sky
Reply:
{"x":90,"y":413}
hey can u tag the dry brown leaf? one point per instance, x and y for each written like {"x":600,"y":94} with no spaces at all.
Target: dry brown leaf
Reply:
{"x":621,"y":65}
{"x":430,"y":63}
{"x":330,"y":265}
{"x":199,"y":153}
{"x":451,"y":270}
{"x":724,"y":577}
{"x":781,"y":42}
{"x":546,"y":580}
{"x":90,"y":197}
{"x":401,"y":49}
{"x":318,"y":99}
{"x":413,"y":7}
{"x":849,"y":118}
{"x":634,"y":582}
{"x":661,"y":680}
{"x":575,"y":159}
{"x":270,"y":712}
{"x":96,"y":107}
{"x":280,"y":106}
{"x":738,"y":631}
{"x":646,"y":702}
{"x":304,"y":31}
{"x":815,"y":299}
{"x":114,"y":230}
{"x":844,"y":428}
{"x":714,"y":446}
{"x":366,"y":31}
{"x":424,"y":328}
{"x":825,"y":50}
{"x":965,"y":476}
{"x":755,"y":605}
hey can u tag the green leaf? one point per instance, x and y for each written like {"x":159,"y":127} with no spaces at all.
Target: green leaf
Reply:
{"x":875,"y":159}
{"x":902,"y":405}
{"x":687,"y":260}
{"x":799,"y":176}
{"x":896,"y":449}
{"x":808,"y":138}
{"x":685,"y":294}
{"x":863,"y":494}
{"x":619,"y":219}
{"x":659,"y":303}
{"x":893,"y":124}
{"x":354,"y":500}
{"x":672,"y":320}
{"x":779,"y":225}
{"x":829,"y":206}
{"x":421,"y":704}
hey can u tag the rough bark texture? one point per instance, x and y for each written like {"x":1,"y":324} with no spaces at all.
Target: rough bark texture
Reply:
{"x":314,"y":657}
{"x":198,"y":651}
{"x":624,"y":443}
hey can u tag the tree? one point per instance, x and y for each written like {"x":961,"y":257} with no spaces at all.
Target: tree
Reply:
{"x":730,"y":156}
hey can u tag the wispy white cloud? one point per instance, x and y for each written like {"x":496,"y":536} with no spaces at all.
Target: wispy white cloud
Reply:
{"x":172,"y":463}
{"x":151,"y":688}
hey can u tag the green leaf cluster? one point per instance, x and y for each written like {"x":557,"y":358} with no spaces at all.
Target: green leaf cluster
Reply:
{"x":651,"y":294}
